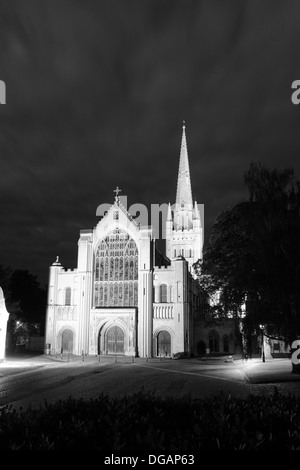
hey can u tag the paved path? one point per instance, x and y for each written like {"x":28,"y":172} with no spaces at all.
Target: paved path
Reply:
{"x":263,"y":377}
{"x":33,"y":380}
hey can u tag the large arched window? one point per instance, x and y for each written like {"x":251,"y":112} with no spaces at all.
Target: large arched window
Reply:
{"x":116,"y":271}
{"x":68,"y":296}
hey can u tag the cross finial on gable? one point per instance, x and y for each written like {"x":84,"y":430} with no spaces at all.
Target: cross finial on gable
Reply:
{"x":117,"y":191}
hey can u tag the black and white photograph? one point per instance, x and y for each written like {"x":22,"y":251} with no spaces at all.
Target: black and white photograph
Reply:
{"x":150,"y":228}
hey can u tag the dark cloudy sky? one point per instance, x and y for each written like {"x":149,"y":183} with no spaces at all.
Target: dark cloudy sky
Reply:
{"x":96,"y":95}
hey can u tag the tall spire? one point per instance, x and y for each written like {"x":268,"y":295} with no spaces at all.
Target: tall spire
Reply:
{"x":184,"y":189}
{"x":183,"y":224}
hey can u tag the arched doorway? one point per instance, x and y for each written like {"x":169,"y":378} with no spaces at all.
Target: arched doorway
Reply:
{"x":67,"y":341}
{"x":115,"y":340}
{"x":164,"y":343}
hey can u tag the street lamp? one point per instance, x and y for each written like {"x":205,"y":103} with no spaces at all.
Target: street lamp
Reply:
{"x":263,"y":347}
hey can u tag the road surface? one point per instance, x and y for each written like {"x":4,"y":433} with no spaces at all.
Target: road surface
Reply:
{"x":32,"y":381}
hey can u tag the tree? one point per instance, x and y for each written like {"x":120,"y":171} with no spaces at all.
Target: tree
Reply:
{"x":253,"y":255}
{"x":25,"y":302}
{"x":25,"y":288}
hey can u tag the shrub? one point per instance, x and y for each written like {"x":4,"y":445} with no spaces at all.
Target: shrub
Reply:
{"x":149,"y":423}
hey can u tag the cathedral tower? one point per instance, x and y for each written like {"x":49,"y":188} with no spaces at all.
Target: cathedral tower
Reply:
{"x":184,"y":235}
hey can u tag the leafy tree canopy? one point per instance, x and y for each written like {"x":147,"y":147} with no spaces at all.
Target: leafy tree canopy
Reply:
{"x":253,"y":255}
{"x":25,"y":298}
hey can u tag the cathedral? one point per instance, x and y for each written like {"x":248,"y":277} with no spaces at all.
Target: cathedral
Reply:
{"x":126,"y":297}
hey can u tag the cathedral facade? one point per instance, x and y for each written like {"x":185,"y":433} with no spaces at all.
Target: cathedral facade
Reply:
{"x":125,"y":296}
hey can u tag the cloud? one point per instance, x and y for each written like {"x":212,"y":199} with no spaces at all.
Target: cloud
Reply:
{"x":96,"y":95}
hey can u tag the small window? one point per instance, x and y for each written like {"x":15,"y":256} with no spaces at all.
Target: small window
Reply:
{"x":68,"y":296}
{"x":163,"y":293}
{"x":116,"y":215}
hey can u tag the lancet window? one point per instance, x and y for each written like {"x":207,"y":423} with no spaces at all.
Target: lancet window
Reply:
{"x":68,"y":296}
